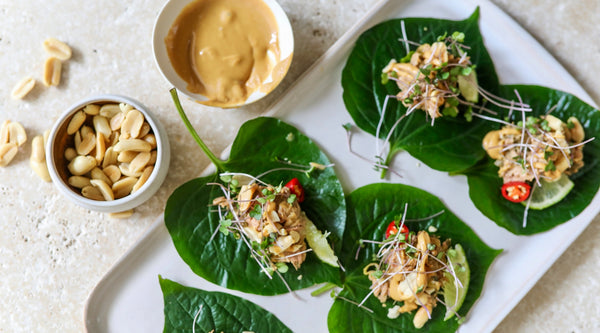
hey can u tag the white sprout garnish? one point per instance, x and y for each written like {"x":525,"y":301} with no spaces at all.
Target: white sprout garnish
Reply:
{"x":196,"y":318}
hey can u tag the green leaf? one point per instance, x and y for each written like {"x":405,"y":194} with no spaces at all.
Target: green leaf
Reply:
{"x":260,"y":145}
{"x":446,"y":146}
{"x":484,"y":183}
{"x":213,"y":311}
{"x":370,"y":210}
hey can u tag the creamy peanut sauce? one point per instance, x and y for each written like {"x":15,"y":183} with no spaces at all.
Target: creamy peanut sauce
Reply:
{"x":226,"y":49}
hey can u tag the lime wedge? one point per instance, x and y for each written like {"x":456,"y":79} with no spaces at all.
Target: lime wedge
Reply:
{"x":454,"y":294}
{"x":549,"y":193}
{"x":468,"y":87}
{"x":317,"y":241}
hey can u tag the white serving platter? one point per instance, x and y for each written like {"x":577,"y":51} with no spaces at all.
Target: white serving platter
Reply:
{"x":129,"y":299}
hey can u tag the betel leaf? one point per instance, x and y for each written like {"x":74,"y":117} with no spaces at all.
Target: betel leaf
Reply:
{"x":485,"y":184}
{"x":194,"y":310}
{"x":370,"y":209}
{"x":261,"y":145}
{"x":446,"y":146}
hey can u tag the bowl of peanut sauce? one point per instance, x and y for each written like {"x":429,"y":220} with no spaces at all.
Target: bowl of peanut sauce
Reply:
{"x":223,"y":53}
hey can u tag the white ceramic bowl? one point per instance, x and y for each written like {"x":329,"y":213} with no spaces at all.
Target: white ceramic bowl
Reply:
{"x":57,"y":163}
{"x":163,"y":24}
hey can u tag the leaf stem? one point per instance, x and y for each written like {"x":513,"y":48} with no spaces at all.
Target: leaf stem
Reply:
{"x":388,"y":160}
{"x":324,"y":288}
{"x":214,"y":159}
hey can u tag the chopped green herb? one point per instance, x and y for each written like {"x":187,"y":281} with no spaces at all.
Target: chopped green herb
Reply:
{"x":407,"y":57}
{"x":256,"y":212}
{"x":378,"y":274}
{"x":451,"y":111}
{"x":282,"y":267}
{"x":458,"y":36}
{"x":469,"y":114}
{"x":291,"y":198}
{"x":550,"y":166}
{"x":465,"y":71}
{"x":426,"y":70}
{"x":442,"y":37}
{"x":544,"y":125}
{"x":384,"y":78}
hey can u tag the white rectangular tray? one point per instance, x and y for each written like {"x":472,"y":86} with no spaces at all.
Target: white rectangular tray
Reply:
{"x":128,"y":298}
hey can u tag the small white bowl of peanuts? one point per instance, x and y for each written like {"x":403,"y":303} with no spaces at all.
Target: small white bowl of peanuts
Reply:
{"x":108,"y":153}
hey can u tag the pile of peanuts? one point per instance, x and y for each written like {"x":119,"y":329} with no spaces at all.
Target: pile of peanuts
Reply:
{"x":113,"y":152}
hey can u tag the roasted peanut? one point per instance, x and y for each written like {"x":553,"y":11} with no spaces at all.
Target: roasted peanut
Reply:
{"x":37,"y":149}
{"x":126,"y":156}
{"x":151,"y":139}
{"x":121,"y":215}
{"x":16,"y":133}
{"x":85,"y":142}
{"x":139,"y":162}
{"x":81,"y":165}
{"x":100,"y":147}
{"x":4,"y":133}
{"x":132,"y":124}
{"x":7,"y":153}
{"x":125,"y":107}
{"x":75,"y":123}
{"x":144,"y":130}
{"x":132,"y":145}
{"x":153,"y":157}
{"x":109,"y":110}
{"x":23,"y":87}
{"x":92,"y":192}
{"x":105,"y":190}
{"x":126,"y":171}
{"x":110,"y":157}
{"x":116,"y":121}
{"x":52,"y":72}
{"x":37,"y":161}
{"x":97,"y":173}
{"x":70,"y":154}
{"x":101,"y":125}
{"x":143,"y":178}
{"x":92,"y":109}
{"x":79,"y":181}
{"x":40,"y":169}
{"x":57,"y":49}
{"x":113,"y":173}
{"x":123,"y":187}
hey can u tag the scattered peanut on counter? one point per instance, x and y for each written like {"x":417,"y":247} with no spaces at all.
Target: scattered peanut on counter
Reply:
{"x":113,"y":151}
{"x":12,"y":136}
{"x":58,"y":52}
{"x":23,"y":88}
{"x":37,"y":160}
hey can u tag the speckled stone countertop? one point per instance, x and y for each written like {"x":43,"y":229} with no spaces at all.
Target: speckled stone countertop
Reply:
{"x":52,"y":252}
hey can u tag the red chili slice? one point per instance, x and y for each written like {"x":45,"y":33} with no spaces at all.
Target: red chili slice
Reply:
{"x":392,"y":230}
{"x":516,"y":191}
{"x":296,"y":188}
